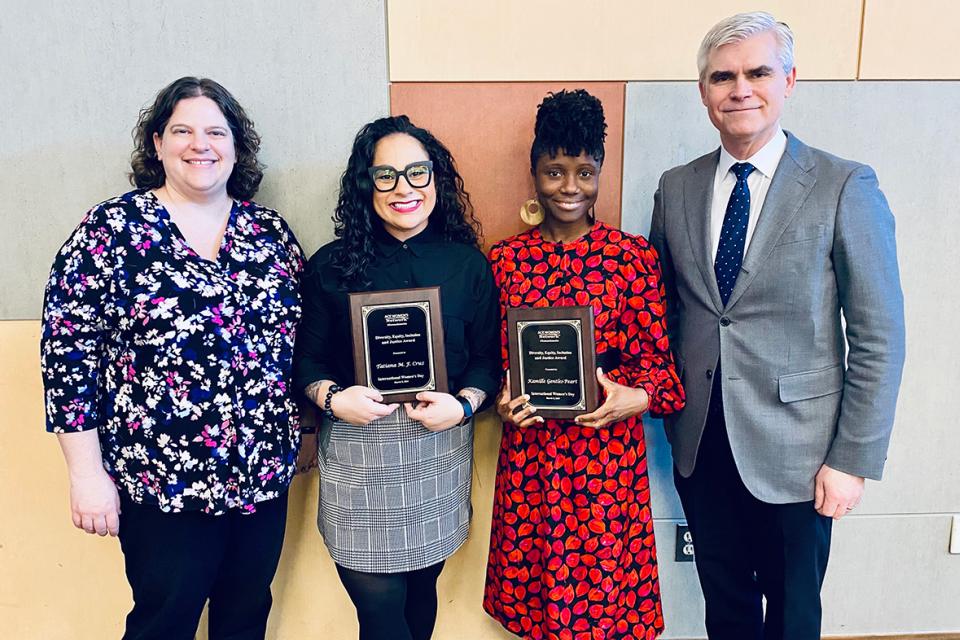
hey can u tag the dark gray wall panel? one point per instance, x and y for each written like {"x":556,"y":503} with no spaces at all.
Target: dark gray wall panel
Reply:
{"x":75,"y":77}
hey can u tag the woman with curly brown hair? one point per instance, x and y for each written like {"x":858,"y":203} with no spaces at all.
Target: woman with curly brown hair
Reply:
{"x":167,"y":344}
{"x":395,"y":479}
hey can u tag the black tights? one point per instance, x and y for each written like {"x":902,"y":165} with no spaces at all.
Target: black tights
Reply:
{"x":394,"y":606}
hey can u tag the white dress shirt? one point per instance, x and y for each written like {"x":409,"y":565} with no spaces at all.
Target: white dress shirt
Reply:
{"x":765,"y":160}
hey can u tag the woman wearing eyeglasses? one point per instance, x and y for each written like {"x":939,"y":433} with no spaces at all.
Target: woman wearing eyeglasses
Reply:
{"x":395,"y":478}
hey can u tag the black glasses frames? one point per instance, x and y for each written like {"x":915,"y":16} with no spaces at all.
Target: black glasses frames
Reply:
{"x":418,"y":174}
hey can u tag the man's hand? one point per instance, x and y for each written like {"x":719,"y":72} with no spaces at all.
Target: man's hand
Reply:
{"x":436,"y":411}
{"x":517,"y":410}
{"x":621,"y":403}
{"x":836,"y":492}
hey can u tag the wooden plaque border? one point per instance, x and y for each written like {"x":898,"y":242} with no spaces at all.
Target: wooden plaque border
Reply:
{"x":430,"y":295}
{"x":587,"y":352}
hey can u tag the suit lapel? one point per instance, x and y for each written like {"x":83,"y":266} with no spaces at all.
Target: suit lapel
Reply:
{"x":697,"y":196}
{"x":791,"y":184}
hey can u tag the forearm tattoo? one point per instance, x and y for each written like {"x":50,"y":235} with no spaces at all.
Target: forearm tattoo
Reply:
{"x":474,"y":396}
{"x":313,"y":393}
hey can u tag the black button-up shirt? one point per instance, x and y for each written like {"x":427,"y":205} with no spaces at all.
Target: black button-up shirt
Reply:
{"x":468,"y":298}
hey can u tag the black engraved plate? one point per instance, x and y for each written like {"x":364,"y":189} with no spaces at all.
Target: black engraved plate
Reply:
{"x":398,"y":354}
{"x":552,"y":359}
{"x":398,"y":342}
{"x":551,"y":370}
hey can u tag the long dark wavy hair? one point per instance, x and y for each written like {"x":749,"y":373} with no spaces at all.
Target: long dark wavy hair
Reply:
{"x":571,"y":122}
{"x":146,"y":170}
{"x":354,"y":219}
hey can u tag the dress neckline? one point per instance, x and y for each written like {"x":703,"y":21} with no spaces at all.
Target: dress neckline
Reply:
{"x":225,"y":241}
{"x":597,"y":225}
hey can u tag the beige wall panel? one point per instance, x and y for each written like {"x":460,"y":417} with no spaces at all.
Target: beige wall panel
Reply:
{"x":563,"y":40}
{"x":58,"y":583}
{"x":910,"y":40}
{"x":488,"y":128}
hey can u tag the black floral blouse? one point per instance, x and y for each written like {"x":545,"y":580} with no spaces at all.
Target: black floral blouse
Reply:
{"x":183,"y":364}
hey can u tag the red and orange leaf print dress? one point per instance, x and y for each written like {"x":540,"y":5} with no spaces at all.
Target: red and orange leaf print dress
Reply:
{"x":572,"y":553}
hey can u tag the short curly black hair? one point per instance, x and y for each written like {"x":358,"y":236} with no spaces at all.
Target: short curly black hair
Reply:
{"x":146,"y":170}
{"x":354,"y":218}
{"x":570,"y":122}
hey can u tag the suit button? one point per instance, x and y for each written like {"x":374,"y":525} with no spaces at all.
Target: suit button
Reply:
{"x":709,"y":373}
{"x":724,"y":321}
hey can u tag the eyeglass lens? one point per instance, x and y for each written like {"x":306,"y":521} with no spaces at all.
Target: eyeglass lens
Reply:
{"x":385,"y":178}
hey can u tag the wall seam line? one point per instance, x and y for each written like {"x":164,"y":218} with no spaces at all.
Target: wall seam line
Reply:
{"x":863,"y":17}
{"x":623,"y":151}
{"x":386,"y":40}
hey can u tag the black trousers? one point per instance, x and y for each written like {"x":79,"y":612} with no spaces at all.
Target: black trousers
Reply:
{"x":747,"y":550}
{"x":175,"y":562}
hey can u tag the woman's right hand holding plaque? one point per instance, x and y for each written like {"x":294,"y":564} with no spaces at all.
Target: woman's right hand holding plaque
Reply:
{"x":517,"y":410}
{"x":360,"y":405}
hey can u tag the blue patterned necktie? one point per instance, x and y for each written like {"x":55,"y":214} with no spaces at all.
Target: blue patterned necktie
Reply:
{"x":733,"y":233}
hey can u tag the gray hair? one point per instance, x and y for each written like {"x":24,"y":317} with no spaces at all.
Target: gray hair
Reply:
{"x":742,"y":26}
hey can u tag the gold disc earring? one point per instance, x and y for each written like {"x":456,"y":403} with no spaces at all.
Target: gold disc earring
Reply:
{"x":531,"y":212}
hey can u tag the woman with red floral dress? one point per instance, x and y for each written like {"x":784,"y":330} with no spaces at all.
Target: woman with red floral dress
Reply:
{"x":572,"y":552}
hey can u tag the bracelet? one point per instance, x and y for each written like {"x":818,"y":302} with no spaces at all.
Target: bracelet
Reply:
{"x":327,"y":411}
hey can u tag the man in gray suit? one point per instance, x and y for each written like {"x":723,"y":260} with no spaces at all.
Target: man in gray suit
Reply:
{"x":786,"y":316}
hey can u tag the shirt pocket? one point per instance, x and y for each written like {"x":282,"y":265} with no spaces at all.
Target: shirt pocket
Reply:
{"x":804,"y":385}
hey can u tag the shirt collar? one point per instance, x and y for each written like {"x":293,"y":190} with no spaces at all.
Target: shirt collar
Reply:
{"x":387,"y":246}
{"x":765,"y":160}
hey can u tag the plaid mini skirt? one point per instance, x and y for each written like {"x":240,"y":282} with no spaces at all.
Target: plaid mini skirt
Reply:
{"x":394,"y":496}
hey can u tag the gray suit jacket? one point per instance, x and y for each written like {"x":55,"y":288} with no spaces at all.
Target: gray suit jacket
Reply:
{"x":823,"y":247}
